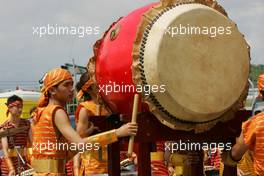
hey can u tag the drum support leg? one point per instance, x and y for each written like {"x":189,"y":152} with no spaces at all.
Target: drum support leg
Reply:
{"x":144,"y":157}
{"x":113,"y":122}
{"x":194,"y":164}
{"x":114,"y":159}
{"x":229,"y":171}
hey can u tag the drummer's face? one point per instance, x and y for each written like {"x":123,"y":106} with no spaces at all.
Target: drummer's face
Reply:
{"x":64,"y":91}
{"x":16,"y":111}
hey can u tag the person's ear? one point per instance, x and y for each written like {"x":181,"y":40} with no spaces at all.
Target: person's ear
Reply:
{"x":53,"y":90}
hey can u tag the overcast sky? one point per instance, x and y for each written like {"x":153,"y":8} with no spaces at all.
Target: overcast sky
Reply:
{"x":25,"y":57}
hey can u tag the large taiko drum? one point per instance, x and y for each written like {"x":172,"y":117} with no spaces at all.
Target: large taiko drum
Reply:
{"x":186,"y":58}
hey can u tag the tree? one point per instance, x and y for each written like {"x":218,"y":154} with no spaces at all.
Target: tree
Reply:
{"x":255,"y":71}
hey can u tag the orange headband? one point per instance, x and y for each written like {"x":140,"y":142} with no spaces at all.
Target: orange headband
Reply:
{"x":52,"y":78}
{"x":84,"y":89}
{"x":13,"y":104}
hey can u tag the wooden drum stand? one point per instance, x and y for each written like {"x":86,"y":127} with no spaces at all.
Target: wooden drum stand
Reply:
{"x":151,"y":130}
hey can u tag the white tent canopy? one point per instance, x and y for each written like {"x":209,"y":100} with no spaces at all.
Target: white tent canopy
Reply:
{"x":25,"y":95}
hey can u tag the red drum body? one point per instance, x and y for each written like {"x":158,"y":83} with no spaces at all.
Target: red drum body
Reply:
{"x":189,"y":81}
{"x":114,"y":62}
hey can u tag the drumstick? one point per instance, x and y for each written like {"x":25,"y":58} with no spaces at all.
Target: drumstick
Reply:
{"x":134,"y":120}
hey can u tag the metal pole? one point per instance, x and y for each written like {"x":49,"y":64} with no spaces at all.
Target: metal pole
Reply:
{"x":253,"y":103}
{"x":74,"y":72}
{"x":74,"y":83}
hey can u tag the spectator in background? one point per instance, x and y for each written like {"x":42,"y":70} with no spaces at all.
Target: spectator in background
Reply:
{"x":14,"y":145}
{"x":93,"y":162}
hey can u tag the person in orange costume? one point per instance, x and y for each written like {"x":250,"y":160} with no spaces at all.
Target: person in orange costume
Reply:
{"x":52,"y":128}
{"x":251,"y":138}
{"x":92,"y":162}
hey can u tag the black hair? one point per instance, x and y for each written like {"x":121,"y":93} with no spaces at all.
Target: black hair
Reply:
{"x":83,"y":79}
{"x":12,"y":99}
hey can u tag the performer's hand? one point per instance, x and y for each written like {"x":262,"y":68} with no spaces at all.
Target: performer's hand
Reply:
{"x":12,"y":173}
{"x":171,"y":170}
{"x":91,"y":129}
{"x":129,"y":129}
{"x":134,"y":158}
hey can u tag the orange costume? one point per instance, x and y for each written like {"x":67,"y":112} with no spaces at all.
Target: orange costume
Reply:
{"x":253,"y":132}
{"x":49,"y":145}
{"x":246,"y":164}
{"x":93,"y":162}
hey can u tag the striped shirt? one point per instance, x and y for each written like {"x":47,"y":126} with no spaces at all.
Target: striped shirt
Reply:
{"x":20,"y":139}
{"x":253,"y":132}
{"x":216,"y":158}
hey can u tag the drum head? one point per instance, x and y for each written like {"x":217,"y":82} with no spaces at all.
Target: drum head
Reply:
{"x":199,"y":57}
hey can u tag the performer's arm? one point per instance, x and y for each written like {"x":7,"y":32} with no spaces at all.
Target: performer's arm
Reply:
{"x":246,"y":140}
{"x":30,"y":135}
{"x":239,"y":149}
{"x":6,"y":156}
{"x":63,"y":124}
{"x":83,"y":123}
